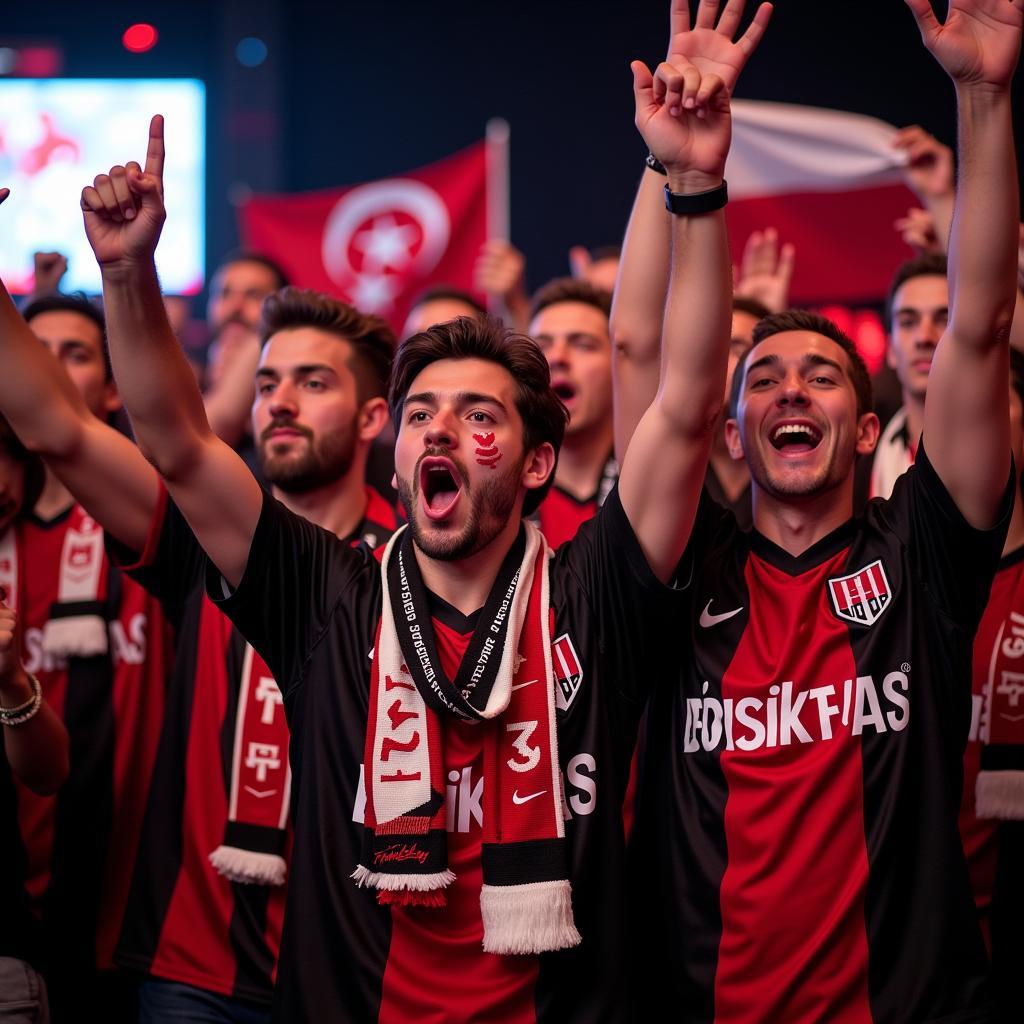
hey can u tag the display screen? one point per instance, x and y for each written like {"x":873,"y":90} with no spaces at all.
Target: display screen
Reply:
{"x":57,"y":134}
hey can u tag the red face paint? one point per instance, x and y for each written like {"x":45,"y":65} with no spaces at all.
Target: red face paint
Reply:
{"x":487,"y":453}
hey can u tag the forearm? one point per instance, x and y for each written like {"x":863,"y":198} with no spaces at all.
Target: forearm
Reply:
{"x":37,"y":398}
{"x":983,"y":240}
{"x":156,"y":383}
{"x":229,"y":404}
{"x":638,"y":307}
{"x":37,"y":750}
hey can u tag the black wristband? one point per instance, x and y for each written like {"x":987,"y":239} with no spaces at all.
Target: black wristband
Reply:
{"x":686,"y":205}
{"x":655,"y":164}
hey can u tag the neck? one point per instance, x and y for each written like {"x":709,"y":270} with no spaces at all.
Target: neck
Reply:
{"x":794,"y":524}
{"x":1015,"y":535}
{"x":733,"y":474}
{"x":915,"y":417}
{"x":582,"y":459}
{"x":338,"y":507}
{"x":465,"y":584}
{"x":54,"y":499}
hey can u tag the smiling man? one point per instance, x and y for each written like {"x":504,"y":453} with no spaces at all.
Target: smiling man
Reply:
{"x":453,"y":705}
{"x":569,"y":321}
{"x":801,"y":825}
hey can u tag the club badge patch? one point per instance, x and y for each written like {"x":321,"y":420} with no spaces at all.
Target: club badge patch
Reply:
{"x":862,"y":596}
{"x":568,"y":674}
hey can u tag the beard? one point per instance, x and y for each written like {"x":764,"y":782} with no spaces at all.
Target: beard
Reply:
{"x":831,"y":471}
{"x":321,"y":463}
{"x":491,"y":503}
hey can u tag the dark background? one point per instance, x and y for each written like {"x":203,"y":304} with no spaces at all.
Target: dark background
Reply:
{"x":352,"y":91}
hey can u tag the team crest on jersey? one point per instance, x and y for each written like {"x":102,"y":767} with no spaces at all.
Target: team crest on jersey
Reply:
{"x":862,"y":596}
{"x":568,"y":673}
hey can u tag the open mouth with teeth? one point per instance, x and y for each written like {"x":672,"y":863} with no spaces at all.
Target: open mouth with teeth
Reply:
{"x":440,"y":487}
{"x":795,"y":438}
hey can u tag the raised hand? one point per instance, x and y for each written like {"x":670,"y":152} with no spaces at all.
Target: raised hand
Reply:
{"x":682,"y":109}
{"x":49,"y":268}
{"x":8,"y":638}
{"x":918,"y":230}
{"x":929,"y":169}
{"x":500,"y":270}
{"x":978,"y":44}
{"x":766,"y":270}
{"x":124,"y":209}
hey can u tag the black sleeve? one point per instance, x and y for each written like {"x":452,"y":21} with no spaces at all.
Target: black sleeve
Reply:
{"x":295,"y":575}
{"x":632,"y":609}
{"x":954,"y":561}
{"x":171,"y":566}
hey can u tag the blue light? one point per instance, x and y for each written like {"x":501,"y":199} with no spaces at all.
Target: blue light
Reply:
{"x":251,"y":52}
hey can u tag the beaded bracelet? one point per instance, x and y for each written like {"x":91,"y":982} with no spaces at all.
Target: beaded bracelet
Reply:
{"x":23,"y":712}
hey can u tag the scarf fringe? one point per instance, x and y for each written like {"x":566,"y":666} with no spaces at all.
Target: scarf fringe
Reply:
{"x":1000,"y":794}
{"x":363,"y":876}
{"x":248,"y":866}
{"x":79,"y":636}
{"x":532,"y":918}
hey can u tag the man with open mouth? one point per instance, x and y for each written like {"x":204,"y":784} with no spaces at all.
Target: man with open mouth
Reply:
{"x":462,"y":707}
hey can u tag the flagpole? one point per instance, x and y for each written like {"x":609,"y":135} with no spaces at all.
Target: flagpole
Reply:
{"x":497,"y":137}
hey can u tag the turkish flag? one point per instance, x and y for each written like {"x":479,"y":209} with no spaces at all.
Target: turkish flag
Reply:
{"x":830,"y":183}
{"x":378,"y":244}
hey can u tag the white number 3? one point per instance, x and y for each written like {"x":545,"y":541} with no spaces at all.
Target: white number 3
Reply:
{"x":531,"y":755}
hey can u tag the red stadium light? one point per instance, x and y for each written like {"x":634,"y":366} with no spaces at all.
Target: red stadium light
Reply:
{"x":139,"y":38}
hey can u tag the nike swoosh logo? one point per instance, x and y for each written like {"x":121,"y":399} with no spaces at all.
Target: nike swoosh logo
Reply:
{"x":529,"y":682}
{"x":707,"y":619}
{"x":517,"y":799}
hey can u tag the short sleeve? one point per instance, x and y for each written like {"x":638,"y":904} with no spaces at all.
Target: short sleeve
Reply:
{"x":632,"y":609}
{"x":296,"y":573}
{"x":955,"y":561}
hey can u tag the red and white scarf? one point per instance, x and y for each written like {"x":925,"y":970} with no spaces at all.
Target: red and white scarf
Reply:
{"x":506,"y":685}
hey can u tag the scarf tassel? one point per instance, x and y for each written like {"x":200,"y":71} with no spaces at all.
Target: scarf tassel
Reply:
{"x":249,"y":866}
{"x":363,"y":876}
{"x":532,"y":918}
{"x":1000,"y":794}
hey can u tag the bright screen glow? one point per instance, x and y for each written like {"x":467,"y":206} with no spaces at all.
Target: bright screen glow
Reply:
{"x":57,"y":134}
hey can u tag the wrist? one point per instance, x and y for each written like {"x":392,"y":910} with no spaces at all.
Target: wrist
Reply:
{"x":127,"y":269}
{"x":689,"y":182}
{"x":15,"y":687}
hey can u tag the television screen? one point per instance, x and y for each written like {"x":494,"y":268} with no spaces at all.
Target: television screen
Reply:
{"x":57,"y":134}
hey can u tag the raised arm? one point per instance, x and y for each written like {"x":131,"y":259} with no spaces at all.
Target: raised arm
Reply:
{"x":124,"y":213}
{"x":966,"y":422}
{"x":99,"y":465}
{"x":638,"y":309}
{"x":683,"y":114}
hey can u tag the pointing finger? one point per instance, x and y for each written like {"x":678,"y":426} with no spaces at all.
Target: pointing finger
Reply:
{"x":679,"y":17}
{"x":155,"y":149}
{"x":748,"y":42}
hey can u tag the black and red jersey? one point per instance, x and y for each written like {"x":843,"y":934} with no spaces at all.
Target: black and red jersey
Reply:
{"x":312,"y":606}
{"x":797,"y":817}
{"x":79,"y":844}
{"x":561,"y":514}
{"x":186,"y":922}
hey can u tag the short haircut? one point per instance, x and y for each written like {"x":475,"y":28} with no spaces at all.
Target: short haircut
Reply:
{"x":742,"y":304}
{"x":926,"y":265}
{"x":73,"y":303}
{"x":371,"y":339}
{"x":35,"y":474}
{"x":804,"y":320}
{"x":448,"y":292}
{"x":542,"y":412}
{"x":250,"y":256}
{"x":571,"y":289}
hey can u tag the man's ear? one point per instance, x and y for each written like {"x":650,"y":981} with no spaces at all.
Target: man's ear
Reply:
{"x":868,"y":431}
{"x":111,"y":397}
{"x":539,"y":465}
{"x":732,"y":440}
{"x":371,"y":419}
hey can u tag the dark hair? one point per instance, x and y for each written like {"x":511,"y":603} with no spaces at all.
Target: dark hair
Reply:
{"x":250,"y":256}
{"x":571,"y":289}
{"x":450,"y":292}
{"x":804,"y":320}
{"x":542,"y":412}
{"x":73,"y":303}
{"x":926,"y":265}
{"x":35,"y":474}
{"x":371,"y":339}
{"x":742,"y":304}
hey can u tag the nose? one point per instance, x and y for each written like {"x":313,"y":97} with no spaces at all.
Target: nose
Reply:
{"x":793,"y":390}
{"x":284,"y":402}
{"x":929,"y":333}
{"x":442,"y":432}
{"x":558,"y":353}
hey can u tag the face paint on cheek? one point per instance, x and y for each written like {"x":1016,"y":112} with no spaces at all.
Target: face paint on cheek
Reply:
{"x":487,"y":453}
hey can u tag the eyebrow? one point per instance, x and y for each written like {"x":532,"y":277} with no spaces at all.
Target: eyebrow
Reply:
{"x":459,"y":398}
{"x":298,"y":371}
{"x":919,"y":309}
